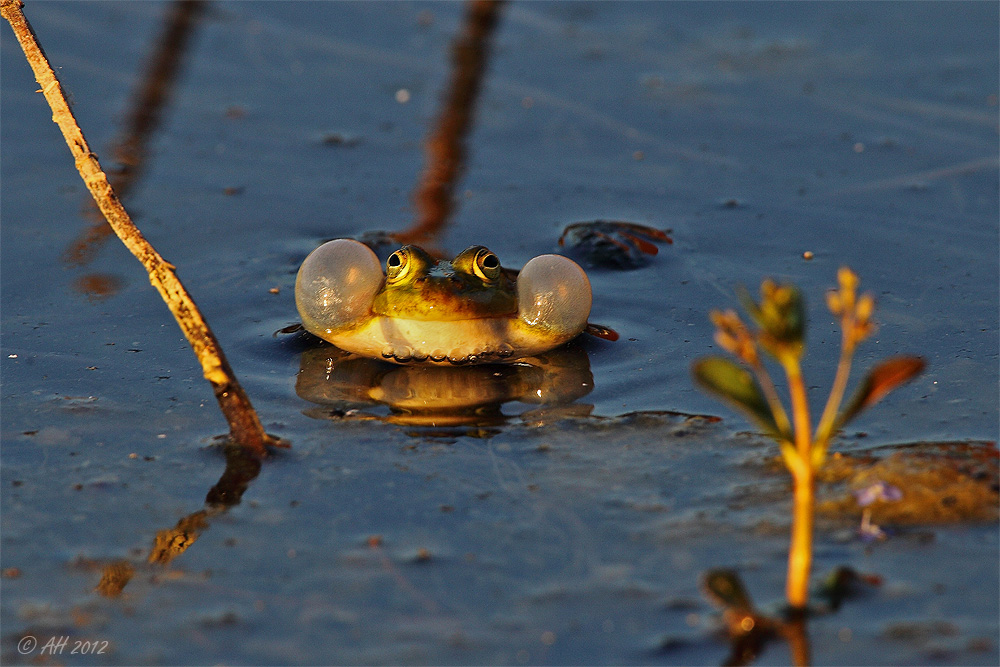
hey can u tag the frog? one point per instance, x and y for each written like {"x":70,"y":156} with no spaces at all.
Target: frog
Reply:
{"x":423,"y":310}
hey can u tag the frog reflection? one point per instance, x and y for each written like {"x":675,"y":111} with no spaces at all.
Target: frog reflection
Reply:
{"x":431,"y":395}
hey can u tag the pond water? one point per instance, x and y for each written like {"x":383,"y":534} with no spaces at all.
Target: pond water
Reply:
{"x":540,"y":531}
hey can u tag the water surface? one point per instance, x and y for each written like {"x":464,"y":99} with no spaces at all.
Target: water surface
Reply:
{"x":863,"y":133}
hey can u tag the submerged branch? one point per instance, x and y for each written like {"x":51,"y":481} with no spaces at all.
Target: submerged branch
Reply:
{"x":244,"y":424}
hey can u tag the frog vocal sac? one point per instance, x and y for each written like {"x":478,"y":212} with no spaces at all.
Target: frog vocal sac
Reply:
{"x":468,"y":310}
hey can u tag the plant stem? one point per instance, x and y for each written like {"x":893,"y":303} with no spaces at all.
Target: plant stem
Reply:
{"x":800,"y":405}
{"x":800,"y":551}
{"x":244,"y":425}
{"x":825,"y":429}
{"x":771,"y":395}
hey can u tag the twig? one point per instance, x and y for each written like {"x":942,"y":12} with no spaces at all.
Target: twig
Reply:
{"x":244,"y":425}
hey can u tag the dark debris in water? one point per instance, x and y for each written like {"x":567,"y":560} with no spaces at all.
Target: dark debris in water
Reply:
{"x":612,"y":244}
{"x":846,"y":583}
{"x":656,"y":419}
{"x":340,"y":140}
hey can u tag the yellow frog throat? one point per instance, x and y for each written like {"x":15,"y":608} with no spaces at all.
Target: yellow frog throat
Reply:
{"x":422,"y":310}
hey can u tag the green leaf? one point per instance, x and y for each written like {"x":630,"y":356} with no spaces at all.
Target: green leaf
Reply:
{"x":725,"y":589}
{"x":735,"y":385}
{"x":879,"y":381}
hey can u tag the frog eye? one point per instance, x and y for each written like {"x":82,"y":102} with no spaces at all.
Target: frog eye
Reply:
{"x":487,"y":265}
{"x":397,"y":266}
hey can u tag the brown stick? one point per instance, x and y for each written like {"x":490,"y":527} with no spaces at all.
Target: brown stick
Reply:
{"x":244,"y":425}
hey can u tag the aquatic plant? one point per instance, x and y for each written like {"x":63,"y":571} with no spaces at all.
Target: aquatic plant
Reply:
{"x":780,"y":329}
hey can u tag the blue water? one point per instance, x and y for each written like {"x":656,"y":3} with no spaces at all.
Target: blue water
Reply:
{"x":865,"y":133}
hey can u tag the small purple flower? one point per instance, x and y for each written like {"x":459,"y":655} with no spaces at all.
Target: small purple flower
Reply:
{"x":878,"y":491}
{"x":868,"y":531}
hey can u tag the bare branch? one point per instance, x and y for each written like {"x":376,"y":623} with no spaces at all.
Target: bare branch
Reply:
{"x":244,"y":425}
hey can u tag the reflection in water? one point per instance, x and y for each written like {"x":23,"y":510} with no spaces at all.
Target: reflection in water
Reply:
{"x":446,"y":144}
{"x":154,"y":93}
{"x":114,"y":576}
{"x":172,"y":542}
{"x":748,"y":629}
{"x":744,"y":647}
{"x":98,"y":286}
{"x":794,"y":632}
{"x":468,"y":396}
{"x":242,"y":467}
{"x":131,"y":150}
